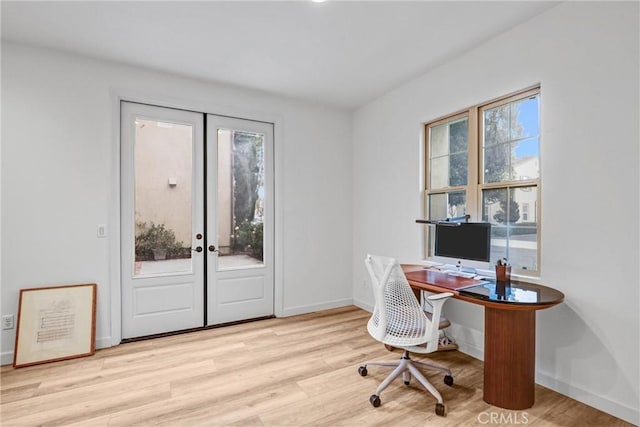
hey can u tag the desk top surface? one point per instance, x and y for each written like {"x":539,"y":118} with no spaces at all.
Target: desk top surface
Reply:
{"x":484,"y":291}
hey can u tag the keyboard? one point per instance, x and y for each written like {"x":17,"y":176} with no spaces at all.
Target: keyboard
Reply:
{"x":462,"y":274}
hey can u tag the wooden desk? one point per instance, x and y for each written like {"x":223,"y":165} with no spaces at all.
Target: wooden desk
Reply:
{"x":509,"y":333}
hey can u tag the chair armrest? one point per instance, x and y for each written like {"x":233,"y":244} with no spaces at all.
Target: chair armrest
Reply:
{"x":436,"y":297}
{"x":436,"y":301}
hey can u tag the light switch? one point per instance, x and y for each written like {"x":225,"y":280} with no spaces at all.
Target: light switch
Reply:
{"x":173,"y":182}
{"x":102,"y":230}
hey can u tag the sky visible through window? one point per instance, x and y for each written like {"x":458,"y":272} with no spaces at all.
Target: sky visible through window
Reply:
{"x":529,"y":119}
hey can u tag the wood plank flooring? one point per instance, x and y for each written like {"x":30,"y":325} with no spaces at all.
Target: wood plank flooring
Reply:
{"x":294,"y":371}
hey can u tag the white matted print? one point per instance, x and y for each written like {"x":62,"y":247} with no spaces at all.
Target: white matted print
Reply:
{"x":55,"y":323}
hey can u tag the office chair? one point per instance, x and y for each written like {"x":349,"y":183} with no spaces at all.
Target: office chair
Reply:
{"x":399,"y":321}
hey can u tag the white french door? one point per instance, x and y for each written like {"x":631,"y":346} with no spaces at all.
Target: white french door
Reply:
{"x":240,"y":218}
{"x":166,"y":248}
{"x":162,"y":220}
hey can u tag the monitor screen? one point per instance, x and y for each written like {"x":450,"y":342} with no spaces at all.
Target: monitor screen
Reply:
{"x":471,"y":240}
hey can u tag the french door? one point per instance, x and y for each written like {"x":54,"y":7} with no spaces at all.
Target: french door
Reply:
{"x":240,"y":215}
{"x":196,"y":227}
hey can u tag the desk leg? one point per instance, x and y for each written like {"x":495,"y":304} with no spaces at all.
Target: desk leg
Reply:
{"x":509,"y":357}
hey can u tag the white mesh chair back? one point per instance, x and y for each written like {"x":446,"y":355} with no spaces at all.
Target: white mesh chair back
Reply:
{"x":398,"y":319}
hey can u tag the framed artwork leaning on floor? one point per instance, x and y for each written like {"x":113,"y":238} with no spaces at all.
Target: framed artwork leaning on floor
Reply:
{"x":55,"y":323}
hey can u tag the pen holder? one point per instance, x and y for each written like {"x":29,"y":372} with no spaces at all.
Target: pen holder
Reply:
{"x":503,"y":273}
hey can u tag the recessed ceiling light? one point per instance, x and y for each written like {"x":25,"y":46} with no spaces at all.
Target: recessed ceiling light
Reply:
{"x":318,"y":1}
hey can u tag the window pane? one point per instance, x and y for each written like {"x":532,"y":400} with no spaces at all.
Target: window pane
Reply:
{"x":163,"y":197}
{"x":493,"y":202}
{"x":514,"y":232}
{"x":524,"y":159}
{"x":523,"y":241}
{"x":437,"y":206}
{"x":448,"y":154}
{"x":511,"y":141}
{"x":458,"y":169}
{"x":447,"y":205}
{"x":523,"y":246}
{"x":496,"y":125}
{"x":442,"y":206}
{"x":497,"y":164}
{"x":439,"y":172}
{"x":459,"y":133}
{"x":438,"y":138}
{"x":457,"y":204}
{"x":526,"y":122}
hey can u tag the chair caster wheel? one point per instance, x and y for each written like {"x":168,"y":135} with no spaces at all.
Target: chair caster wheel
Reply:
{"x":448,"y":380}
{"x":362,"y":370}
{"x":375,"y":400}
{"x":440,"y":409}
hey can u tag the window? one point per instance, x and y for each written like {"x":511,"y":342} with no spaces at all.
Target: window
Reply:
{"x":485,"y":162}
{"x":448,"y":167}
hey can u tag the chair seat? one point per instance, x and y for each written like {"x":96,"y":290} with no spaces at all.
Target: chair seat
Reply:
{"x":445,"y":343}
{"x":444,"y":322}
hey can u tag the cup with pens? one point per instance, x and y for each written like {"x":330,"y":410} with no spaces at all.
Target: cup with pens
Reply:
{"x":503,"y":270}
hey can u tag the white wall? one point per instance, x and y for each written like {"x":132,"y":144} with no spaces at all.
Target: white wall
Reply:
{"x":59,"y":164}
{"x":585,"y":56}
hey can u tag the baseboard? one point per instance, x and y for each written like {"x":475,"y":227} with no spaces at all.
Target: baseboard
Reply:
{"x":304,"y":309}
{"x":470,"y":341}
{"x":363,"y":305}
{"x":469,"y":349}
{"x":104,"y":342}
{"x":631,"y":415}
{"x":6,"y":357}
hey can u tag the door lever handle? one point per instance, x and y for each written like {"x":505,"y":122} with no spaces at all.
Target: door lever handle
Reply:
{"x":197,"y":249}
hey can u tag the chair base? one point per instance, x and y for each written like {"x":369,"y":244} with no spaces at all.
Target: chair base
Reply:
{"x":407,"y":368}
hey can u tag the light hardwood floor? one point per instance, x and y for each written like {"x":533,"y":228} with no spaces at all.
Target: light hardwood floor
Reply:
{"x":294,"y":371}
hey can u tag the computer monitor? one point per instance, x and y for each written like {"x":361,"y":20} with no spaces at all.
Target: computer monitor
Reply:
{"x":470,"y":240}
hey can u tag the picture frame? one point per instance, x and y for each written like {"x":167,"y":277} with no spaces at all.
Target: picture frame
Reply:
{"x":55,"y":323}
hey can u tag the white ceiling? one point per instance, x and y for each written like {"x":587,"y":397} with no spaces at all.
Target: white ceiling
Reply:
{"x":340,"y":53}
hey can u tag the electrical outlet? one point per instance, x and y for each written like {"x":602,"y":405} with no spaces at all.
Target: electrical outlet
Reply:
{"x":7,"y":321}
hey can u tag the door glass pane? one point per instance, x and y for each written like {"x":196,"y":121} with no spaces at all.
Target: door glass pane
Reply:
{"x":241,"y":198}
{"x":163,"y":197}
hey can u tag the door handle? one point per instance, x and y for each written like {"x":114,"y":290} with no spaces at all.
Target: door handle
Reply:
{"x":212,"y":248}
{"x":197,"y":249}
